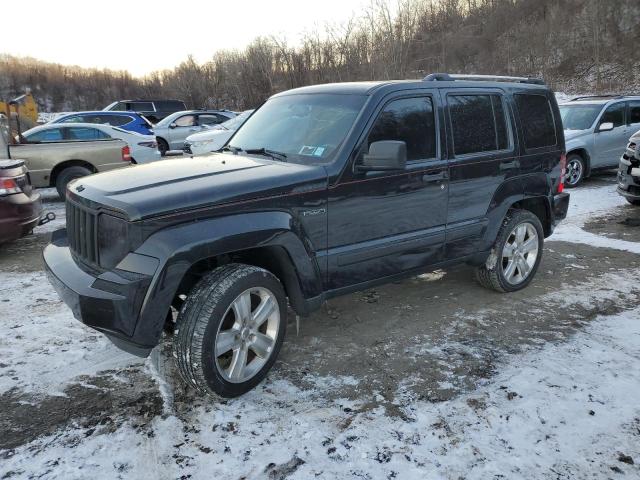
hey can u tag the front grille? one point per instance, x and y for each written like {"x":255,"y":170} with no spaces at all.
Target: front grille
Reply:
{"x":81,"y":232}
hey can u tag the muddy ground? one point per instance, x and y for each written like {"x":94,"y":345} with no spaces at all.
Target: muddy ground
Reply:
{"x":382,"y":338}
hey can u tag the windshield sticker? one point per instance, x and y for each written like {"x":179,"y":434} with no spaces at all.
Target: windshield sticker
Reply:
{"x":307,"y":150}
{"x":318,"y":152}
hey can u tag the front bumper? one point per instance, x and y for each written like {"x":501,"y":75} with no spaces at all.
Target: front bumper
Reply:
{"x":109,"y":301}
{"x":628,"y":178}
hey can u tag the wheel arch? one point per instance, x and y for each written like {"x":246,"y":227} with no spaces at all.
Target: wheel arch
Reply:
{"x":584,"y":153}
{"x":55,"y":171}
{"x":187,"y":251}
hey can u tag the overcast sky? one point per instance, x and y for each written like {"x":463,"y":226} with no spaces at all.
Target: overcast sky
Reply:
{"x":142,"y":36}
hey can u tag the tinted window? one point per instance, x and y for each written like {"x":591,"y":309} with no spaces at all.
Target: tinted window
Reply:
{"x":51,"y":135}
{"x":211,"y":119}
{"x":409,"y":120}
{"x":479,"y":123}
{"x":186,"y":121}
{"x":117,"y":120}
{"x":119,"y":107}
{"x":537,"y":120}
{"x":141,"y":106}
{"x":73,"y":119}
{"x":85,"y":134}
{"x":634,"y":112}
{"x":614,"y":114}
{"x":170,"y":105}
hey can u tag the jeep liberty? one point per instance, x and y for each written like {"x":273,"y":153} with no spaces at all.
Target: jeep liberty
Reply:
{"x":325,"y":190}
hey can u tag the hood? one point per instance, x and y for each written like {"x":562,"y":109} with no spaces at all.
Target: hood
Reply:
{"x":571,"y":134}
{"x":169,"y":186}
{"x":207,"y":135}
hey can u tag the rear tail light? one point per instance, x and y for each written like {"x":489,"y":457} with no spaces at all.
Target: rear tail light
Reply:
{"x":563,"y":171}
{"x":8,"y":186}
{"x":126,"y":153}
{"x":148,"y":144}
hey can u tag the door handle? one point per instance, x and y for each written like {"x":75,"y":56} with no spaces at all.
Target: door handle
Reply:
{"x":434,"y":176}
{"x":509,"y":165}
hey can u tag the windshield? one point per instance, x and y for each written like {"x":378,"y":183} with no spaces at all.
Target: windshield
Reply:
{"x":235,"y":122}
{"x":307,"y":128}
{"x":579,"y":117}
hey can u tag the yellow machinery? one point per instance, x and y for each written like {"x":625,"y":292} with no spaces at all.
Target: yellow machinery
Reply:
{"x":22,"y":112}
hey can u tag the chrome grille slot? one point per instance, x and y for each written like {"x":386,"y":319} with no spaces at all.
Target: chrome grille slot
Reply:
{"x":81,"y":232}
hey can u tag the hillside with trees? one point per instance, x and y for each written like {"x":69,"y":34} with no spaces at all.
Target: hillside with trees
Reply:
{"x":575,"y":45}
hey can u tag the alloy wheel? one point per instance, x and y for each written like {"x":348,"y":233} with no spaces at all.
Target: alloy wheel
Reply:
{"x":247,"y":335}
{"x":520,"y":253}
{"x":574,"y":172}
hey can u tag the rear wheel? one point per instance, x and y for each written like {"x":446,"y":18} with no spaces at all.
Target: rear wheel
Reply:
{"x":516,"y":254}
{"x":230,"y":330}
{"x":68,"y":174}
{"x":575,"y":170}
{"x":163,"y":146}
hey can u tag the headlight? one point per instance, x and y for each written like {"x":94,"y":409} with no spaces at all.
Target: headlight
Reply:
{"x":202,"y":143}
{"x":113,"y":240}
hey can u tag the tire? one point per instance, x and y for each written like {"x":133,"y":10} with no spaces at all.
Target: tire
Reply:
{"x":633,"y":201}
{"x":163,"y":146}
{"x":505,"y":273}
{"x":576,"y":168}
{"x":68,"y":174}
{"x":210,"y":310}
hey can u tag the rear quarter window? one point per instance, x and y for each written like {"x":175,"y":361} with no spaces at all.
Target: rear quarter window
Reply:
{"x":536,"y":117}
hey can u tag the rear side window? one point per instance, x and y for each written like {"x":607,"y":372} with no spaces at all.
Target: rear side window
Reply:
{"x":410,"y":120}
{"x":536,"y":116}
{"x":85,"y":134}
{"x":73,"y":119}
{"x":634,"y":112}
{"x":170,"y":105}
{"x":117,"y":120}
{"x":50,"y":135}
{"x":478,"y":123}
{"x":141,"y":106}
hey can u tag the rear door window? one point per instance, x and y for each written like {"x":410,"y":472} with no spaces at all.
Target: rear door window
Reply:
{"x":117,"y":120}
{"x":141,"y":106}
{"x":478,"y":123}
{"x":634,"y":112}
{"x":85,"y":134}
{"x":44,"y":136}
{"x":536,"y":116}
{"x":410,"y":120}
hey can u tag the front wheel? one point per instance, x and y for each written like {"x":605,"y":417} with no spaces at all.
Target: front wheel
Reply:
{"x":515,"y":255}
{"x":163,"y":146}
{"x":68,"y":174}
{"x":575,"y":171}
{"x":230,"y":330}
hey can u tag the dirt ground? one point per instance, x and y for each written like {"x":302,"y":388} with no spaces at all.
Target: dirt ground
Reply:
{"x":431,"y":338}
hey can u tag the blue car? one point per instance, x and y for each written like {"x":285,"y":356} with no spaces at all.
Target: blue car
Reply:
{"x":130,"y":121}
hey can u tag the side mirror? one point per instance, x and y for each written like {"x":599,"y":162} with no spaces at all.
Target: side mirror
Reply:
{"x":384,"y":155}
{"x":172,"y":125}
{"x":605,"y":127}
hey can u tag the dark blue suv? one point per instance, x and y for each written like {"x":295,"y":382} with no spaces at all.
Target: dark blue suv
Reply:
{"x":131,"y":121}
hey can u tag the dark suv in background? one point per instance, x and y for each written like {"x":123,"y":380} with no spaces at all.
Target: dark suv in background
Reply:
{"x":153,"y":110}
{"x":325,"y":190}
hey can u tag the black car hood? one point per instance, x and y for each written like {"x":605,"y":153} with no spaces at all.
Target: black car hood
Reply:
{"x":169,"y":186}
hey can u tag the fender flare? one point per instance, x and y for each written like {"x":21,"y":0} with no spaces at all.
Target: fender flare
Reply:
{"x":178,"y":248}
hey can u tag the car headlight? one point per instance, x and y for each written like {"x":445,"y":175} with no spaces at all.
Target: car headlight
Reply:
{"x":113,"y":240}
{"x":202,"y":143}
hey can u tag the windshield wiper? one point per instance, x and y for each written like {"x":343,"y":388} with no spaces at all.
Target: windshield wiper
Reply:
{"x":231,"y":148}
{"x":269,"y":153}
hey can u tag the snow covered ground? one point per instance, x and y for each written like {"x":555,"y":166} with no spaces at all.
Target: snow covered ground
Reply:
{"x":559,"y":400}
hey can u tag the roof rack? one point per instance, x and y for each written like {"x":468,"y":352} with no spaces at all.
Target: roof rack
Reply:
{"x":447,"y":77}
{"x":595,"y":97}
